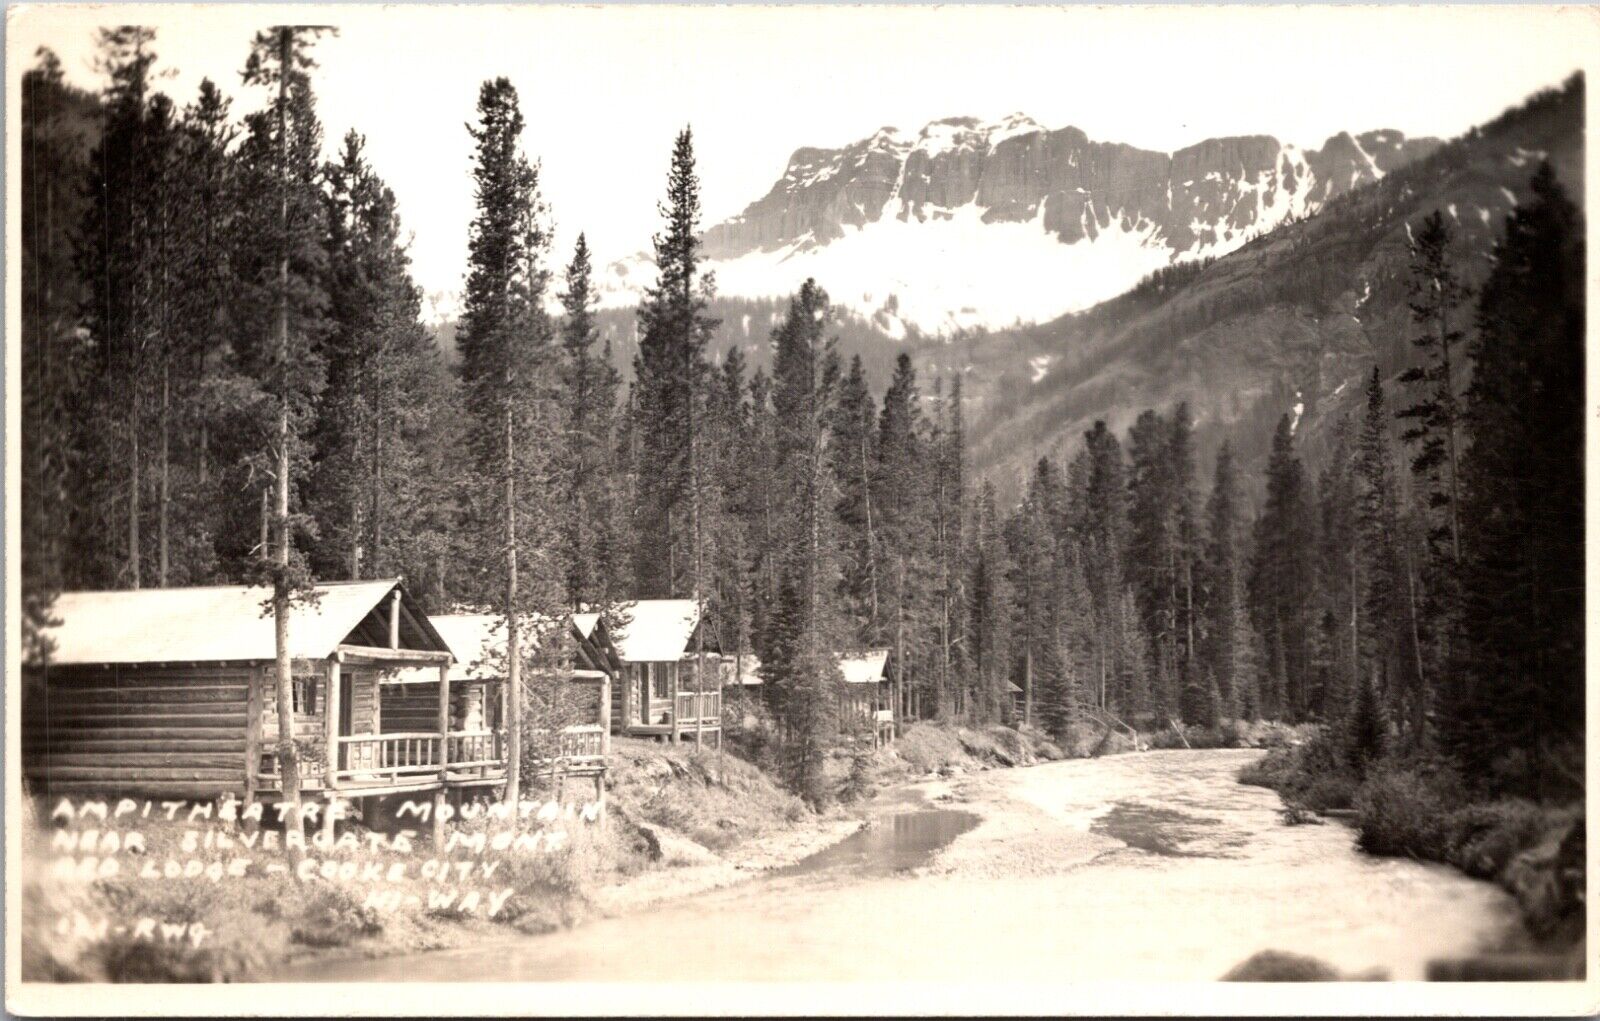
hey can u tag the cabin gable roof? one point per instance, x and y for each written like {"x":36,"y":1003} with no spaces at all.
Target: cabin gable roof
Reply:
{"x":656,"y":630}
{"x":228,"y":623}
{"x":865,"y":667}
{"x":478,"y":641}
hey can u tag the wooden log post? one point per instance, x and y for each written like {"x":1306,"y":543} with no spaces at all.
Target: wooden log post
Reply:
{"x":629,"y":679}
{"x":330,"y":705}
{"x":444,"y":751}
{"x":394,"y":620}
{"x":605,"y":713}
{"x":444,"y":723}
{"x":672,"y":713}
{"x":252,"y":740}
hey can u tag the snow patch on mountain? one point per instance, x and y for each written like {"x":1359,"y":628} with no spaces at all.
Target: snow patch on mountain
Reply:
{"x":953,"y":270}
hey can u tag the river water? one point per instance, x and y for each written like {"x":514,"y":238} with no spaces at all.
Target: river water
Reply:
{"x":1153,"y":866}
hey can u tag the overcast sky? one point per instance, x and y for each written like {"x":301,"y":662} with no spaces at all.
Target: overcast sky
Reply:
{"x":605,"y":89}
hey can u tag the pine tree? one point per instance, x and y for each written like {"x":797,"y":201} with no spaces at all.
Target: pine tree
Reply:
{"x":1437,"y":296}
{"x":54,"y":164}
{"x":1221,"y":575}
{"x":1282,"y":579}
{"x":949,"y":502}
{"x":1391,"y":638}
{"x":1031,"y":554}
{"x":804,"y":671}
{"x":508,"y":371}
{"x":1058,"y":699}
{"x":119,"y":258}
{"x":202,"y":375}
{"x":730,"y":464}
{"x":669,"y":386}
{"x":1186,"y":542}
{"x":854,"y":457}
{"x":281,"y":154}
{"x":1519,"y":708}
{"x":1339,"y":580}
{"x":1099,"y":518}
{"x":588,"y":400}
{"x":387,"y":389}
{"x":1153,"y":550}
{"x":1366,"y":730}
{"x":988,"y":632}
{"x":908,"y":554}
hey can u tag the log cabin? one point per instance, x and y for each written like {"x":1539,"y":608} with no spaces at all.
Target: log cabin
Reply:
{"x":573,"y":737}
{"x":172,"y":692}
{"x":1019,"y":706}
{"x":658,"y":697}
{"x":867,"y":698}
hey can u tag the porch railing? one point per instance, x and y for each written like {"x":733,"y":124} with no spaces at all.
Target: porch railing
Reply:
{"x":392,"y":755}
{"x":709,"y":706}
{"x":475,"y":748}
{"x":581,"y":743}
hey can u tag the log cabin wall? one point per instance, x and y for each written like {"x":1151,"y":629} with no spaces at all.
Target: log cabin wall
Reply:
{"x":176,"y":731}
{"x":408,"y":709}
{"x":310,"y":718}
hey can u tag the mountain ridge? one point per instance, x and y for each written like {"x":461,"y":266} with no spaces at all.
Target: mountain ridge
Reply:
{"x":971,"y":223}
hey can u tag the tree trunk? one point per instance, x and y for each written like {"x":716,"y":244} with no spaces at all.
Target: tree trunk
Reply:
{"x":1450,"y":436}
{"x":375,"y":496}
{"x":872,"y":546}
{"x":1419,"y":696}
{"x":135,"y":483}
{"x":694,"y":534}
{"x":513,"y":720}
{"x":165,"y":501}
{"x":288,"y":754}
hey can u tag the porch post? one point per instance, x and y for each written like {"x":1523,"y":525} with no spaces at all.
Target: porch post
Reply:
{"x":605,"y":713}
{"x":252,"y":735}
{"x":330,"y":706}
{"x":627,"y":697}
{"x":444,"y":750}
{"x":444,"y":723}
{"x":672,"y":712}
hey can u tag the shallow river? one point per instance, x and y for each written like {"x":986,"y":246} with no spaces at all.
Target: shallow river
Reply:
{"x":1155,"y":866}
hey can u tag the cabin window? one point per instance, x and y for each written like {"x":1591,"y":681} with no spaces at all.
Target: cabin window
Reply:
{"x":305,"y":696}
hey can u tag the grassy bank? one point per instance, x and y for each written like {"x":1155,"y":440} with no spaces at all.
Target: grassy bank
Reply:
{"x":1415,"y":808}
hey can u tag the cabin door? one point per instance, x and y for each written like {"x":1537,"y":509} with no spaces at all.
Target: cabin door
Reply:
{"x":347,"y":698}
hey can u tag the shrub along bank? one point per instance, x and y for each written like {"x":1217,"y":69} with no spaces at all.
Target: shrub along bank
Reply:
{"x":1420,"y":808}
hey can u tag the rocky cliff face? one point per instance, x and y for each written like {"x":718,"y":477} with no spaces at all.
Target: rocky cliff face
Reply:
{"x":1055,"y":186}
{"x":1197,"y":198}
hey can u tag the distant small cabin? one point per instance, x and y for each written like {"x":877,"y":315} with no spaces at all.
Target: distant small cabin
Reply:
{"x":1018,"y":698}
{"x":174,"y":692}
{"x":656,"y":641}
{"x":867,"y":698}
{"x":578,"y":739}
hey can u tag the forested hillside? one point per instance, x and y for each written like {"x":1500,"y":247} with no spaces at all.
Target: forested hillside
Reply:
{"x":1296,"y":317}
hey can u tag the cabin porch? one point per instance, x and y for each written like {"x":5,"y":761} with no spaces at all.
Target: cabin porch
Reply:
{"x":659,"y":700}
{"x":382,"y":721}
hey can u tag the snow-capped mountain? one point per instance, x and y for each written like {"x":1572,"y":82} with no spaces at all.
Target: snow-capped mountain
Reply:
{"x":967,"y":223}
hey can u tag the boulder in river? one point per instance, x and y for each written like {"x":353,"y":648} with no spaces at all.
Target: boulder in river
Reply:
{"x":1282,"y":966}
